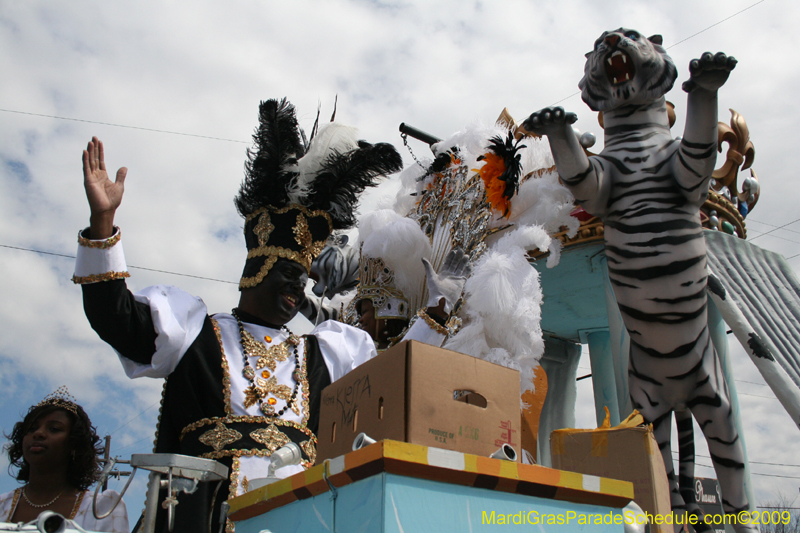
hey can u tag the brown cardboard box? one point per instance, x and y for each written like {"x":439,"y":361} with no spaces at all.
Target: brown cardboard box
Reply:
{"x":626,"y":453}
{"x":407,"y":394}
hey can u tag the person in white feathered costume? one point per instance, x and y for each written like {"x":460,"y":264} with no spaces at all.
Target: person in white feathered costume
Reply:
{"x":493,"y":198}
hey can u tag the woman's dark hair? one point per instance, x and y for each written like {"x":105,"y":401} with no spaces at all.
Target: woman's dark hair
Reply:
{"x":84,"y":468}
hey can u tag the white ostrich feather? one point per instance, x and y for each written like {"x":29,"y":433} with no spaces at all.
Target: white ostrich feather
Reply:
{"x":401,"y":244}
{"x":331,"y":137}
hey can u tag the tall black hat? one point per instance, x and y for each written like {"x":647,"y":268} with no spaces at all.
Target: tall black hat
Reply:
{"x":295,"y":194}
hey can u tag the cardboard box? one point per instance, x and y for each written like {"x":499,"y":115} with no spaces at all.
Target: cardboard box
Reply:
{"x":622,"y":452}
{"x":415,"y":393}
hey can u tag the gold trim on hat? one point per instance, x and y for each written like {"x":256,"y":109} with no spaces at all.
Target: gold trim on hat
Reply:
{"x":264,"y":228}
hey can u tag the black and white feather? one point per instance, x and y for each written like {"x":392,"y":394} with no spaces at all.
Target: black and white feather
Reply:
{"x":329,"y":175}
{"x":267,"y":169}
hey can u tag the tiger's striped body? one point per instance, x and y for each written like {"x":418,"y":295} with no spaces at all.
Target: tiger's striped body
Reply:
{"x":648,"y":188}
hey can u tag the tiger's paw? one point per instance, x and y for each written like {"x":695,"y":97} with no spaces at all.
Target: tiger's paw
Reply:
{"x":709,"y":72}
{"x":550,"y":121}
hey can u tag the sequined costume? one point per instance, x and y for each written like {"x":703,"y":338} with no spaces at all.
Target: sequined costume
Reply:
{"x":163,"y":332}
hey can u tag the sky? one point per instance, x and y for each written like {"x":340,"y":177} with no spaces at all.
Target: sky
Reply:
{"x":172,"y":89}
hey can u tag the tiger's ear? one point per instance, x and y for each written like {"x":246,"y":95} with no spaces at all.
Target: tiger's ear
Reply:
{"x":656,"y":39}
{"x":587,"y":54}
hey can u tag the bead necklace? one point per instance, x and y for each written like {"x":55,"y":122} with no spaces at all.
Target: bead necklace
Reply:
{"x":259,"y":388}
{"x":48,"y":504}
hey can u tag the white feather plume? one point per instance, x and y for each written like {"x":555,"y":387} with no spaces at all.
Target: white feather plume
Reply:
{"x":401,"y":244}
{"x":331,"y":137}
{"x":503,"y":305}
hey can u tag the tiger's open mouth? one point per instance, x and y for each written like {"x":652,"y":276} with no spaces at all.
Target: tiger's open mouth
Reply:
{"x":619,"y":68}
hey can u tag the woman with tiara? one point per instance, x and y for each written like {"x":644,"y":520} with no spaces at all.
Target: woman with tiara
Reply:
{"x":55,"y":452}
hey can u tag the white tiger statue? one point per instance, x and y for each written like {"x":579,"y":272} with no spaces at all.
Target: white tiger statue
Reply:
{"x":648,"y":188}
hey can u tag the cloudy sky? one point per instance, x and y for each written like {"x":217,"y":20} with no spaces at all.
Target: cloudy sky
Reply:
{"x":172,"y":89}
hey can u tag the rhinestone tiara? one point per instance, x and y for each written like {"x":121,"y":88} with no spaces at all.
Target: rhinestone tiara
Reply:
{"x":60,"y":398}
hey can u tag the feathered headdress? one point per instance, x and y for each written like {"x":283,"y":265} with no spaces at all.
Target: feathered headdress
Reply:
{"x":390,"y":264}
{"x":294,"y":196}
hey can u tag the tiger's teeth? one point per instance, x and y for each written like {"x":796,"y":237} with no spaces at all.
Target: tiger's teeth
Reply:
{"x":627,"y":77}
{"x":624,"y":58}
{"x":615,"y":80}
{"x":609,"y":60}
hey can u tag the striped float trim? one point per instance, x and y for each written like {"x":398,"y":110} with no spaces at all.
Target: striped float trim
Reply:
{"x":433,"y":464}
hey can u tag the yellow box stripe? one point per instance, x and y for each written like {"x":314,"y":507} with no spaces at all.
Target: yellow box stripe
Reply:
{"x":570,"y":480}
{"x":616,"y":487}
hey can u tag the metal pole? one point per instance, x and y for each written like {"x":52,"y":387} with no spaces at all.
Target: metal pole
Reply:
{"x":418,"y":134}
{"x":151,"y":504}
{"x":107,"y":456}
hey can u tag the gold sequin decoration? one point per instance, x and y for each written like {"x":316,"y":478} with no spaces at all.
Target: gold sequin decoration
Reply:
{"x":219,"y":437}
{"x":302,"y":235}
{"x":246,"y":419}
{"x":264,"y":387}
{"x":267,"y":357}
{"x":263,"y":228}
{"x":271,"y":437}
{"x":435,"y":326}
{"x":234,"y":476}
{"x":304,"y":389}
{"x":310,"y":450}
{"x":376,"y":282}
{"x":102,"y":244}
{"x":245,"y":484}
{"x":271,"y":386}
{"x":226,"y":376}
{"x":76,"y":506}
{"x":96,"y":278}
{"x":273,"y":254}
{"x":252,"y":395}
{"x":14,"y":503}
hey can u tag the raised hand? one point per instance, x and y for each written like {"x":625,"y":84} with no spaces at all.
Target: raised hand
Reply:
{"x":104,"y":195}
{"x":550,"y":121}
{"x":709,"y":72}
{"x":449,"y":282}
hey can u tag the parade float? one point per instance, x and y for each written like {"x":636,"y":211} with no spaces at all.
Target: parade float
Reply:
{"x":393,"y":485}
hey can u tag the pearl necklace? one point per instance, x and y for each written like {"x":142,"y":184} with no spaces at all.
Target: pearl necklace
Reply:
{"x":48,"y":504}
{"x":260,"y":389}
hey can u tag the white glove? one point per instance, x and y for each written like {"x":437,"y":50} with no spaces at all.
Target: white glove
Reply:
{"x":449,"y":282}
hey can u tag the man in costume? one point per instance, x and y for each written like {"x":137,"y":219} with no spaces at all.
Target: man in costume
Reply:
{"x":239,"y":385}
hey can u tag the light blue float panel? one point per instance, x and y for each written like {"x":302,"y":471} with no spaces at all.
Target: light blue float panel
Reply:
{"x":396,"y":487}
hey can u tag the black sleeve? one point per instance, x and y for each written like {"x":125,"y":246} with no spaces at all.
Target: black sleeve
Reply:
{"x":318,"y":378}
{"x":120,"y":320}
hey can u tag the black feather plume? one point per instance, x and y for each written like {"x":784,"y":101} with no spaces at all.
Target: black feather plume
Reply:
{"x":277,"y":145}
{"x":509,"y":151}
{"x":344,"y":176}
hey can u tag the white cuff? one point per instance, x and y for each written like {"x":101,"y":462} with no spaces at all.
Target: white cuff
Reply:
{"x":421,"y":331}
{"x":100,"y":260}
{"x":343,"y":347}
